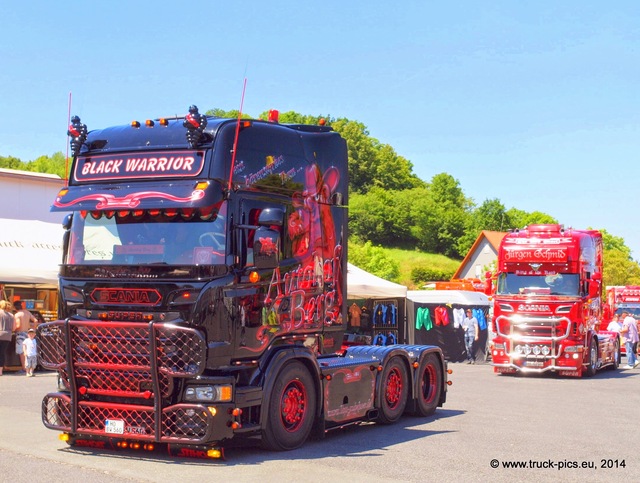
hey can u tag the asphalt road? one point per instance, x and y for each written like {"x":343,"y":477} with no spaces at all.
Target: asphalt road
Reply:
{"x":488,"y":420}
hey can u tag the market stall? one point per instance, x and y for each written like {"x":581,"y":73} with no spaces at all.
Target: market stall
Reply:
{"x":434,"y":316}
{"x":30,"y":255}
{"x":376,"y":309}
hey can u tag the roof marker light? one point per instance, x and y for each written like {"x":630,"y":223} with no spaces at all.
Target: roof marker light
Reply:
{"x":163,"y":122}
{"x":149,"y":123}
{"x":135,"y":124}
{"x":274,"y":115}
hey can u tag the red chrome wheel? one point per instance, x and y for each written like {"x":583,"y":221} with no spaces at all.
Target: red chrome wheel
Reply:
{"x":395,"y":388}
{"x":292,"y":408}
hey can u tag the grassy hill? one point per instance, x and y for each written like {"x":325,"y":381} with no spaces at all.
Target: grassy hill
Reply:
{"x":410,"y":259}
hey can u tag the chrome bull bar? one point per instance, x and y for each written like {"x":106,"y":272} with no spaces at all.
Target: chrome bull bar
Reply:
{"x":520,"y":328}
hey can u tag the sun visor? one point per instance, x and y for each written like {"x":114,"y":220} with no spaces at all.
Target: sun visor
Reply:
{"x":141,"y":195}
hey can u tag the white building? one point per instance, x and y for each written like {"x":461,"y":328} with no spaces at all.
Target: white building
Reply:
{"x":30,"y":238}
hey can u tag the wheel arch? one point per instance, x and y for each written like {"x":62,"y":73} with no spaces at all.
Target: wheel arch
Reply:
{"x":279,"y":359}
{"x":421,"y":353}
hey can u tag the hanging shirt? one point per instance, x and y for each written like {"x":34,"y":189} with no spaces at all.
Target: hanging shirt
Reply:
{"x":423,"y":319}
{"x":458,"y":317}
{"x":391,"y":315}
{"x":354,"y":313}
{"x":479,"y":315}
{"x":378,"y":314}
{"x":442,"y":316}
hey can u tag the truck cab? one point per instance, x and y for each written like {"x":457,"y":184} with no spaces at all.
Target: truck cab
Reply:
{"x":547,"y":303}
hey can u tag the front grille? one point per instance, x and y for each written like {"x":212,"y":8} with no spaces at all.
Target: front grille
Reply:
{"x":533,"y":329}
{"x":184,"y":423}
{"x":120,"y":362}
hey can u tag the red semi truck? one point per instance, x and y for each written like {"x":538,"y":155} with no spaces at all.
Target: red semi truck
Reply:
{"x":622,"y":298}
{"x":547,"y":303}
{"x":203,"y":293}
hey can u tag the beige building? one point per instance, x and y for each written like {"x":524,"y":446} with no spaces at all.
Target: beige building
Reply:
{"x":28,"y":196}
{"x":482,"y":254}
{"x":30,"y":238}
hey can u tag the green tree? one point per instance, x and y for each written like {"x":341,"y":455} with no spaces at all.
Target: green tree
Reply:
{"x":381,"y":216}
{"x":490,"y":215}
{"x":611,"y":242}
{"x":438,"y":216}
{"x":619,"y":269}
{"x":232,"y":114}
{"x":374,"y":260}
{"x":55,"y":164}
{"x":441,"y":218}
{"x":373,"y":164}
{"x":9,"y":162}
{"x":520,"y":219}
{"x":362,"y":154}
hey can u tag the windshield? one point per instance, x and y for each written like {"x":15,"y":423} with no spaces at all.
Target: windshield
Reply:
{"x":173,"y":237}
{"x":558,"y":284}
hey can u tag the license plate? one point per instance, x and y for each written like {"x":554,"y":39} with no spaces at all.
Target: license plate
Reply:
{"x":114,"y":426}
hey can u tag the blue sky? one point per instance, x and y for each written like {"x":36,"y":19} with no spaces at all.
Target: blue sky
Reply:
{"x":533,"y":103}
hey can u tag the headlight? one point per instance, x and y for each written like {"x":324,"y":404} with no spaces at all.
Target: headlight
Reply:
{"x":536,"y":350}
{"x":546,"y":351}
{"x":211,"y":393}
{"x":527,"y":350}
{"x":519,"y":349}
{"x":574,"y":348}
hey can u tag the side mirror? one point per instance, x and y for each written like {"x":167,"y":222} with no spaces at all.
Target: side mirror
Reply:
{"x":271,"y":217}
{"x":594,"y":288}
{"x":66,"y":223}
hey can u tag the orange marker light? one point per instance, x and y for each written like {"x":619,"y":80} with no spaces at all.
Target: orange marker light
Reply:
{"x":254,"y":277}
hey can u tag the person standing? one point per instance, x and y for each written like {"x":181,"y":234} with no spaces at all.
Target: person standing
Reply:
{"x":24,"y":320}
{"x":470,"y":327}
{"x":615,"y":325}
{"x":630,"y":332}
{"x":6,"y":330}
{"x":30,"y":351}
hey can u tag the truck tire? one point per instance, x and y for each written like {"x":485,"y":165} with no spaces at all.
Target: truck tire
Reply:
{"x":592,"y":363}
{"x":394,"y":390}
{"x":292,"y":409}
{"x":429,"y":386}
{"x":616,"y":356}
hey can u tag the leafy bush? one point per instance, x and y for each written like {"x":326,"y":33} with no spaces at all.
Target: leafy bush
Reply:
{"x":420,"y":275}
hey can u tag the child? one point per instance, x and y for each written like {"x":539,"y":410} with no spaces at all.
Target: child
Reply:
{"x":29,"y":347}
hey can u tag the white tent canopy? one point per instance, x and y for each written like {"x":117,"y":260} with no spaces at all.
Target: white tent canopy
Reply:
{"x":364,"y":285}
{"x":30,"y":252}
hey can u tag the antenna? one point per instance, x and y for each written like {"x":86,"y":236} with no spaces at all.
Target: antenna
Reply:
{"x":235,"y":140}
{"x":66,"y":159}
